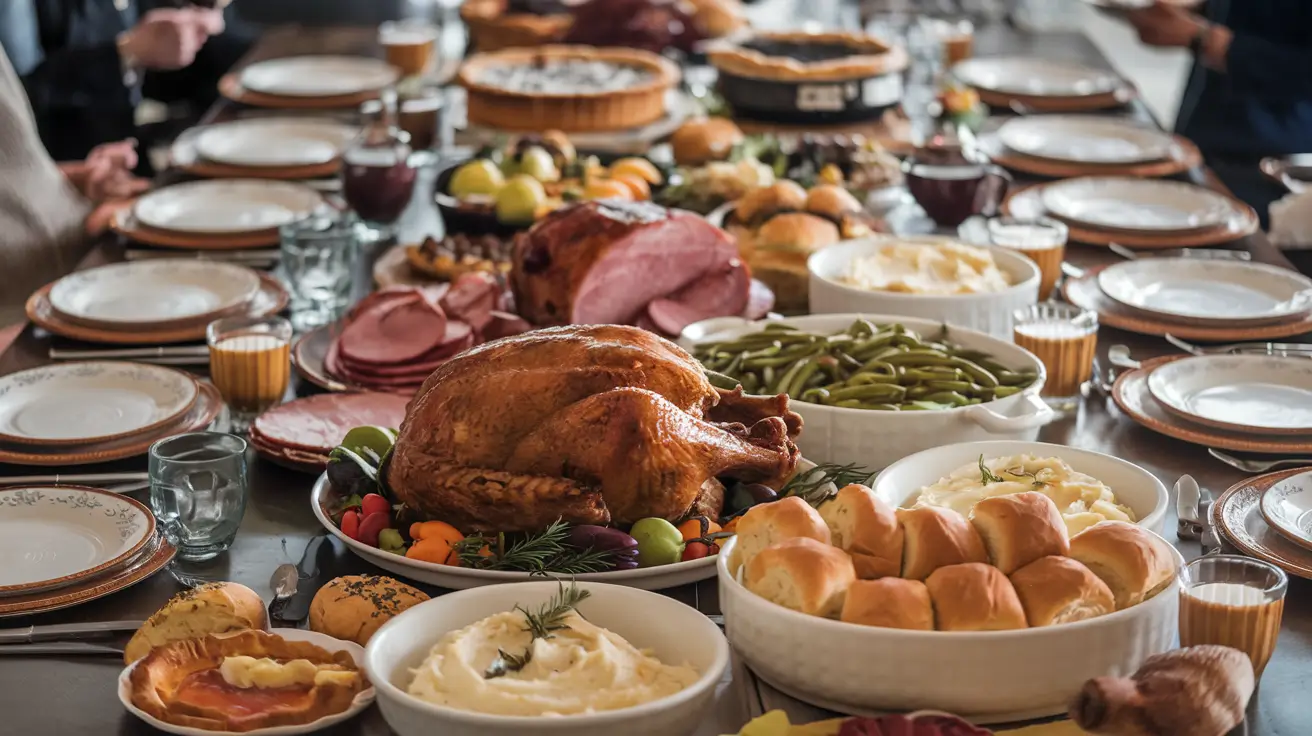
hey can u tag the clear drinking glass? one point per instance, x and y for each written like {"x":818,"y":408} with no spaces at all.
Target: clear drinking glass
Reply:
{"x":250,"y":364}
{"x":1065,"y":338}
{"x":198,"y":491}
{"x":1042,"y":239}
{"x":1233,"y":601}
{"x":319,"y":257}
{"x":409,"y":45}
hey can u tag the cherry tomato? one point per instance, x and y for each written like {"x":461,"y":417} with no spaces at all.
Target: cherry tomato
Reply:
{"x":695,"y":551}
{"x":371,"y":525}
{"x":351,"y":524}
{"x":373,"y":503}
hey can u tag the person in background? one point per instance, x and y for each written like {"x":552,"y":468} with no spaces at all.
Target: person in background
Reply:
{"x":49,"y":212}
{"x":87,"y":64}
{"x":1250,"y":92}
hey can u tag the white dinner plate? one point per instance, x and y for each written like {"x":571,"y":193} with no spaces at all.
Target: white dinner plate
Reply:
{"x":1287,"y":507}
{"x":226,"y":206}
{"x":1141,"y":205}
{"x":52,"y":536}
{"x":1085,"y":139}
{"x":363,"y":699}
{"x":142,"y":293}
{"x":1034,"y":76}
{"x":1251,"y":394}
{"x":274,"y":142}
{"x":81,"y":403}
{"x":1207,"y":291}
{"x":318,"y":76}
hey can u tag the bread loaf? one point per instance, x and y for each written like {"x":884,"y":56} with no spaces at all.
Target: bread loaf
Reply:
{"x":213,"y":608}
{"x":768,"y":523}
{"x":353,"y":607}
{"x":1059,"y":590}
{"x":937,"y":537}
{"x":865,"y":526}
{"x":802,"y":574}
{"x":974,"y":597}
{"x":1135,"y":563}
{"x":1019,"y":528}
{"x":892,"y":603}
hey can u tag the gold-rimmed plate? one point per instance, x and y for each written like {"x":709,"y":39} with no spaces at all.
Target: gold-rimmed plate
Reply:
{"x":1238,"y":518}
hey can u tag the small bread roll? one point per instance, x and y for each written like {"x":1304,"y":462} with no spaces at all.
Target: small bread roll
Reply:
{"x":937,"y":537}
{"x":757,"y":205}
{"x":802,"y":574}
{"x":353,"y":607}
{"x":974,"y":597}
{"x":892,"y":603}
{"x":1059,"y":590}
{"x":698,"y":142}
{"x":865,"y":526}
{"x":768,"y":523}
{"x":831,"y":201}
{"x":213,"y":608}
{"x":1135,"y":563}
{"x":1019,"y":528}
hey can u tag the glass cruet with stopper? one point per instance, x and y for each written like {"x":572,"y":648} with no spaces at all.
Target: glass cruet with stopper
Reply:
{"x":378,"y":175}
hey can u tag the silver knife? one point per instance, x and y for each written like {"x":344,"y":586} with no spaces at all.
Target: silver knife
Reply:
{"x":1187,"y":497}
{"x":234,"y":256}
{"x":162,"y":351}
{"x":65,"y":632}
{"x":61,"y":649}
{"x":77,"y":479}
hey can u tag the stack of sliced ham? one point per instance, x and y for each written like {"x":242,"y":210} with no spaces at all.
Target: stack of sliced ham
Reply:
{"x":635,"y":263}
{"x":395,"y":337}
{"x":300,"y":434}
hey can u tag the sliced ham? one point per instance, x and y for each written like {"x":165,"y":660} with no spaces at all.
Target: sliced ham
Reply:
{"x":459,"y":337}
{"x":505,"y":324}
{"x":473,"y":297}
{"x":318,"y":423}
{"x":394,"y":332}
{"x":717,"y":294}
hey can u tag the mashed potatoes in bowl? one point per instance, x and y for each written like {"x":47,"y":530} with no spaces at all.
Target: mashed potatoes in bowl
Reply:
{"x":942,"y":268}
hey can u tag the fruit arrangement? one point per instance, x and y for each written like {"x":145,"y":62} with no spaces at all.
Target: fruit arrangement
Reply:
{"x":534,"y":175}
{"x":365,"y":512}
{"x":961,"y":105}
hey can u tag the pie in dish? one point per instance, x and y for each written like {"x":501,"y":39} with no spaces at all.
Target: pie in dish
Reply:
{"x":244,"y":681}
{"x":569,"y":88}
{"x":501,"y":24}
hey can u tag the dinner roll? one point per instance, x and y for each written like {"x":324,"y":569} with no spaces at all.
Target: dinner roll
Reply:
{"x":212,"y":608}
{"x":760,"y":204}
{"x":865,"y":526}
{"x":892,"y":603}
{"x":802,"y":574}
{"x":767,"y":523}
{"x":353,"y":607}
{"x":831,"y":202}
{"x":697,"y":142}
{"x":1019,"y":528}
{"x":1134,"y":562}
{"x":937,"y":537}
{"x":974,"y":597}
{"x":1059,"y":590}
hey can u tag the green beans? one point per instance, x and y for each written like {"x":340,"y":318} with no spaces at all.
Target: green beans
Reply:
{"x":865,"y":366}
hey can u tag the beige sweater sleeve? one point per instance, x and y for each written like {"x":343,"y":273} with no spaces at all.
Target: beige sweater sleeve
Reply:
{"x":41,"y":214}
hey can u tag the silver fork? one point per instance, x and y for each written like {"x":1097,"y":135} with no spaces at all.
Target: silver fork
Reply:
{"x":1200,"y":253}
{"x":1267,"y":348}
{"x":1258,"y":466}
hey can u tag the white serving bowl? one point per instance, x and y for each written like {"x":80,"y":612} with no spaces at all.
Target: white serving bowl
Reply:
{"x":1133,"y":486}
{"x":987,"y":312}
{"x":987,"y":677}
{"x":675,"y":633}
{"x":877,"y":438}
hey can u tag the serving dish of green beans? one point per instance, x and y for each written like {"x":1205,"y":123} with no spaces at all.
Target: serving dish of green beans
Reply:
{"x":866,"y":366}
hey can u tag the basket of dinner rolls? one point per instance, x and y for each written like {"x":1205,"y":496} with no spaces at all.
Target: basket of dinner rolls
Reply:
{"x":998,"y":616}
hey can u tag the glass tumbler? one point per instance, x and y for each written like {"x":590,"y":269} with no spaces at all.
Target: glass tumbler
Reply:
{"x":250,"y":364}
{"x":319,"y":257}
{"x":1065,"y":338}
{"x":1041,"y":239}
{"x":198,"y":491}
{"x":1233,"y":601}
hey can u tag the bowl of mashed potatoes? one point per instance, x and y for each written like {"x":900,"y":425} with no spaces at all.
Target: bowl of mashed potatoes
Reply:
{"x":468,"y":663}
{"x":1087,"y":487}
{"x":939,"y":278}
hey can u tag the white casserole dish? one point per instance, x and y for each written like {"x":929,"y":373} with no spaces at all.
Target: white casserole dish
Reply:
{"x":675,"y":633}
{"x":1133,"y":486}
{"x":876,"y":439}
{"x":987,"y":312}
{"x":986,"y":677}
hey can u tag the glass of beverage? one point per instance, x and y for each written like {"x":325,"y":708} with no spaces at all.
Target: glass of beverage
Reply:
{"x":409,"y":45}
{"x":957,"y":38}
{"x":1065,"y":338}
{"x":1042,"y":239}
{"x":198,"y":491}
{"x":378,"y":175}
{"x":1233,"y":601}
{"x":319,"y":257}
{"x":250,"y":364}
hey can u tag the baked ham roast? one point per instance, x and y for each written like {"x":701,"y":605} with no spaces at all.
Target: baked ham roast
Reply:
{"x":631,"y":263}
{"x":589,"y":424}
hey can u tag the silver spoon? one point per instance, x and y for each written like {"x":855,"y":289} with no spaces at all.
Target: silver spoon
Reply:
{"x":283,"y":583}
{"x":1119,"y":356}
{"x":1258,"y":466}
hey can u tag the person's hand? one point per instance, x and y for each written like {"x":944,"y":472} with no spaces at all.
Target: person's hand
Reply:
{"x":1165,"y":25}
{"x":168,"y":38}
{"x":122,"y":154}
{"x":106,"y":173}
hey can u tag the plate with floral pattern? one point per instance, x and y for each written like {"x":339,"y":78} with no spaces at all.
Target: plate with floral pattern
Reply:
{"x":1287,"y":507}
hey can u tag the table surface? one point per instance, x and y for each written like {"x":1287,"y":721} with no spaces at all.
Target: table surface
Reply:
{"x":43,"y":695}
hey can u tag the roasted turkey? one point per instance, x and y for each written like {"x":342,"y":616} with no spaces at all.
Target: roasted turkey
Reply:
{"x":592,"y":424}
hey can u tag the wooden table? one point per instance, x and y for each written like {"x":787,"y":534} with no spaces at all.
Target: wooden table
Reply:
{"x":46,"y":695}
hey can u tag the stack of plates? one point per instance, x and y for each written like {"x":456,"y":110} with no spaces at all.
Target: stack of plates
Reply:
{"x":152,"y":302}
{"x":1065,"y":146}
{"x":272,"y":148}
{"x":300,"y":434}
{"x":80,"y":413}
{"x":1196,"y":298}
{"x":65,"y":545}
{"x":1139,"y":213}
{"x":1270,"y":517}
{"x":1042,"y":85}
{"x":309,"y":82}
{"x":217,"y":215}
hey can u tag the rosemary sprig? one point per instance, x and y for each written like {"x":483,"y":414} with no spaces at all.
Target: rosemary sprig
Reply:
{"x":1038,"y":478}
{"x":541,"y":624}
{"x":986,"y":476}
{"x":821,"y":483}
{"x":538,"y":554}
